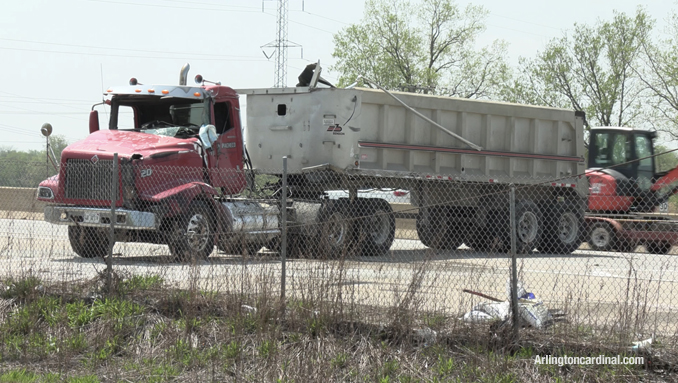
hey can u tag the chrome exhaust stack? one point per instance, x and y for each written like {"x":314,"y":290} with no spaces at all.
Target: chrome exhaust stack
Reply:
{"x":183,"y":75}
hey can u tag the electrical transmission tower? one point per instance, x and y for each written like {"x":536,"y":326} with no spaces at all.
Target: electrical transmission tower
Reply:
{"x":280,"y":45}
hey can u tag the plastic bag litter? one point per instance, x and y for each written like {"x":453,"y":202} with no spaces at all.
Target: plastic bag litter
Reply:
{"x":642,"y":345}
{"x":486,"y":311}
{"x":535,"y":313}
{"x":521,"y":290}
{"x":531,"y":311}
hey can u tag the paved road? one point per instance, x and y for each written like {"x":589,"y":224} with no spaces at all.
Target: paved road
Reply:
{"x":591,"y":286}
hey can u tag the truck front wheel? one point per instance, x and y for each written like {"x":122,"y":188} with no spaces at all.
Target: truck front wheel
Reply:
{"x":88,"y":242}
{"x":193,"y":236}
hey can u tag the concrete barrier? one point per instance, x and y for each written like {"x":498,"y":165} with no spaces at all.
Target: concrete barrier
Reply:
{"x":20,"y":199}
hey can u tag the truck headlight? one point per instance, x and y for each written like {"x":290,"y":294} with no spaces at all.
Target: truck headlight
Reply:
{"x":45,"y":193}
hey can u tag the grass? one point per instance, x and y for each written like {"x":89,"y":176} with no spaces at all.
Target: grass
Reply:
{"x":157,"y":333}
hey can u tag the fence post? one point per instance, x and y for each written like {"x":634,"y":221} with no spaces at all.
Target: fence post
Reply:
{"x":514,"y":270}
{"x":283,"y":240}
{"x":111,"y":234}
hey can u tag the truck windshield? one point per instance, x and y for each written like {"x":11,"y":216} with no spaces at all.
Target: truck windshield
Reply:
{"x":172,"y":117}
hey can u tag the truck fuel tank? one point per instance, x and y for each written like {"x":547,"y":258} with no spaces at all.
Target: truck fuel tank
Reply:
{"x":249,"y":217}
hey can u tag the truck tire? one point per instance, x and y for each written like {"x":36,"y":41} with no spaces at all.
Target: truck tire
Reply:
{"x":529,"y":226}
{"x":658,"y":247}
{"x":479,"y":239}
{"x":88,"y":242}
{"x":238,"y":248}
{"x":193,"y":238}
{"x":563,"y":234}
{"x":436,"y":231}
{"x":601,"y":236}
{"x":335,"y":229}
{"x":378,"y":225}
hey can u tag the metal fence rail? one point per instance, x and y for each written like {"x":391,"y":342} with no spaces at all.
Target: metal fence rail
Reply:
{"x":423,"y":246}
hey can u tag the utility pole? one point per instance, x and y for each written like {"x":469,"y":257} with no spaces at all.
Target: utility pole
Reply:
{"x":280,"y":45}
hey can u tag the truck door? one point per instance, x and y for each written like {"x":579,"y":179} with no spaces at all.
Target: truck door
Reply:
{"x":225,"y":159}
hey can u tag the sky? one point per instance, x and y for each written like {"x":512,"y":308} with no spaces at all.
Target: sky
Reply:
{"x":58,"y":56}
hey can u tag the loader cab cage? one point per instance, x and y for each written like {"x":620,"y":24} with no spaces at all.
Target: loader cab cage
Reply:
{"x":627,"y":151}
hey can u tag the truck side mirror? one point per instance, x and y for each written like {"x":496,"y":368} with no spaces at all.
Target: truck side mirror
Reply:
{"x":93,"y":121}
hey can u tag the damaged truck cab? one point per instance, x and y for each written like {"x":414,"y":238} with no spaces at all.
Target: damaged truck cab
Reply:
{"x":180,"y":151}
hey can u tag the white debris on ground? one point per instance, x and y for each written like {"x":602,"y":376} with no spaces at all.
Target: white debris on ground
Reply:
{"x":531,"y":310}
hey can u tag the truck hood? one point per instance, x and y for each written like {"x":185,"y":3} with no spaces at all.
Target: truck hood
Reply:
{"x":127,"y":143}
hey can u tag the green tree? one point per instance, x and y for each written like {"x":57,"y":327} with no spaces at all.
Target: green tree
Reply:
{"x":666,"y":161}
{"x":659,"y":72}
{"x":592,"y":71}
{"x":426,"y":46}
{"x":28,"y":168}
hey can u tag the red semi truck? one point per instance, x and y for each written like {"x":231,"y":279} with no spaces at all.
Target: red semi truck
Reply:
{"x":182,"y":169}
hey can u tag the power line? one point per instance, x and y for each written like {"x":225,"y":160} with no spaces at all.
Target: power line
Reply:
{"x":40,"y":113}
{"x":254,"y":9}
{"x":14,"y":95}
{"x":218,"y":58}
{"x":320,"y":16}
{"x":122,"y":49}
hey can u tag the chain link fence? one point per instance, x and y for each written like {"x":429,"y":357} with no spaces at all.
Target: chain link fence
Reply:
{"x":375,"y":247}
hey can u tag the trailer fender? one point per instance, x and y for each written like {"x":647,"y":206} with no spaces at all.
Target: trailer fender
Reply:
{"x":615,"y":225}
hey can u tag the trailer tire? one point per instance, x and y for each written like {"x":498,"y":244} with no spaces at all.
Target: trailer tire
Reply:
{"x":378,"y":224}
{"x":435,"y":230}
{"x":601,"y":236}
{"x":335,"y":229}
{"x":624,"y":245}
{"x":658,"y":247}
{"x":529,"y":226}
{"x":239,"y":249}
{"x":564,"y":233}
{"x":88,"y":242}
{"x":193,"y":237}
{"x":479,"y":240}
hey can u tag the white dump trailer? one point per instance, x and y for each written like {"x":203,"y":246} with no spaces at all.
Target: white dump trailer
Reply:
{"x":456,"y":156}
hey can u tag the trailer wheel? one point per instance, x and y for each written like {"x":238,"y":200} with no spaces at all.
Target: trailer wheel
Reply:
{"x":563,"y":233}
{"x":601,"y":236}
{"x":658,"y":247}
{"x":529,"y":226}
{"x":479,"y":240}
{"x":436,"y":231}
{"x":238,"y":248}
{"x":378,"y":224}
{"x":335,"y":229}
{"x":193,"y":237}
{"x":624,"y":245}
{"x":88,"y":242}
{"x":424,"y":224}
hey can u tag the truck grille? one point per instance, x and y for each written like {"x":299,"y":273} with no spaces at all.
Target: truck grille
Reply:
{"x":87,"y":180}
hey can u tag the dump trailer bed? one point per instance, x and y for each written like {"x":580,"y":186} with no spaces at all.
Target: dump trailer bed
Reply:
{"x":366,"y":131}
